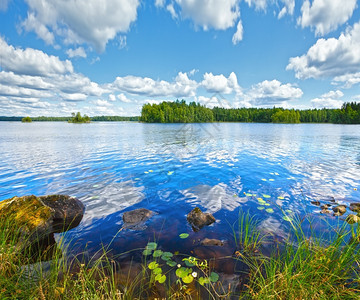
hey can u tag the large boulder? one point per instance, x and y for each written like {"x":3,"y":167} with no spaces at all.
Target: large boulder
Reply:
{"x":355,"y":207}
{"x":198,"y":219}
{"x":31,"y":221}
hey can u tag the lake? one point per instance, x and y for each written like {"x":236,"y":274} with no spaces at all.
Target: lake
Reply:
{"x":172,"y":168}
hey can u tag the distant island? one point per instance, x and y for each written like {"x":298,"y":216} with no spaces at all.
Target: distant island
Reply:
{"x":181,"y":112}
{"x":77,"y":118}
{"x":26,"y":120}
{"x":66,"y":119}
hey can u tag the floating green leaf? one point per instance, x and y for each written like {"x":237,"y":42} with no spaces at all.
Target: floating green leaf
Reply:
{"x":146,"y":172}
{"x":281,"y":198}
{"x":286,"y":218}
{"x":203,"y":280}
{"x":188,"y":279}
{"x":183,"y":272}
{"x":157,"y":253}
{"x":288,"y":211}
{"x":266,"y":196}
{"x":248,"y":195}
{"x":151,"y":246}
{"x":263,"y":179}
{"x":184,"y":235}
{"x":160,"y":278}
{"x":170,"y":172}
{"x":214,"y":277}
{"x":166,"y":255}
{"x":269,"y":210}
{"x":271,"y":179}
{"x":151,"y":171}
{"x":261,"y":207}
{"x":267,"y":204}
{"x":153,"y":265}
{"x":171,"y":263}
{"x":95,"y":185}
{"x":189,"y":264}
{"x":147,"y":252}
{"x":260,"y":199}
{"x":277,"y":174}
{"x":157,"y":271}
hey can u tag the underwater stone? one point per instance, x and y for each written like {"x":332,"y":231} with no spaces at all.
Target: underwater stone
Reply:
{"x":137,"y":216}
{"x":211,"y":242}
{"x":339,"y":210}
{"x":351,"y":219}
{"x":198,"y":219}
{"x":355,"y":207}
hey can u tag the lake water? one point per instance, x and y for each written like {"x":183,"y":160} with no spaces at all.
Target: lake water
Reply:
{"x":172,"y":168}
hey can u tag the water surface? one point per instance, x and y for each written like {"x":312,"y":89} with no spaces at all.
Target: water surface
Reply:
{"x":172,"y":168}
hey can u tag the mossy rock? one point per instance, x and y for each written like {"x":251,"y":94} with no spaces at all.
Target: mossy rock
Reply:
{"x":198,"y":219}
{"x":34,"y":218}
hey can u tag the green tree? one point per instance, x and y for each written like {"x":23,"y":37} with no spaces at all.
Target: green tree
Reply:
{"x":26,"y":120}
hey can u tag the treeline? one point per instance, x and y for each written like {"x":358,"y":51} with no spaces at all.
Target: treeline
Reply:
{"x":181,"y":112}
{"x":66,"y":119}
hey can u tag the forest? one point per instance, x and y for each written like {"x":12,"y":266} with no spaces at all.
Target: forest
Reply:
{"x":66,"y":119}
{"x":181,"y":112}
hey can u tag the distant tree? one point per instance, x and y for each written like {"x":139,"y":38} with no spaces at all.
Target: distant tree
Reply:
{"x":77,"y":118}
{"x":26,"y":120}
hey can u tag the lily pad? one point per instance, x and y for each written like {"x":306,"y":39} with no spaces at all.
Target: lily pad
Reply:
{"x":184,"y":235}
{"x":281,"y":198}
{"x":287,"y":218}
{"x":160,"y":278}
{"x":260,"y":207}
{"x":171,"y":263}
{"x":166,"y":255}
{"x":146,"y":172}
{"x":187,"y":279}
{"x":271,"y":179}
{"x":267,"y":204}
{"x":277,"y":174}
{"x":153,"y":265}
{"x":157,"y":253}
{"x":203,"y":280}
{"x":263,"y":179}
{"x":288,"y":211}
{"x":157,"y":271}
{"x":183,"y":272}
{"x":269,"y":210}
{"x":214,"y":277}
{"x":151,"y":246}
{"x":248,"y":195}
{"x":147,"y":252}
{"x":189,"y":264}
{"x":266,"y":196}
{"x":170,"y":172}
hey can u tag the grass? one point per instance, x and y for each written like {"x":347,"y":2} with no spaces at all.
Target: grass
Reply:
{"x":306,"y":266}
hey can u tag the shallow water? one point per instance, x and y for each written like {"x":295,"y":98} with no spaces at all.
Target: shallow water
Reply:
{"x":172,"y":168}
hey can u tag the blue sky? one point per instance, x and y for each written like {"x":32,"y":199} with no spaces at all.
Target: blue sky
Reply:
{"x":110,"y":57}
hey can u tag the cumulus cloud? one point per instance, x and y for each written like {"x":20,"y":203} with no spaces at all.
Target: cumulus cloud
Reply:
{"x":97,"y":23}
{"x":269,"y":93}
{"x":181,"y":87}
{"x":159,"y":3}
{"x":31,"y":61}
{"x":32,"y":24}
{"x":170,"y":8}
{"x":218,"y":14}
{"x":329,"y":100}
{"x":238,"y":35}
{"x":348,"y":79}
{"x":330,"y":57}
{"x":122,"y":97}
{"x":288,"y":7}
{"x":78,"y":52}
{"x":221,"y":84}
{"x":325,"y":15}
{"x":213,"y":101}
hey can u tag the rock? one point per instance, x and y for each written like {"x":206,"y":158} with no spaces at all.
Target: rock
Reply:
{"x":198,"y":219}
{"x":211,"y":242}
{"x":355,"y":207}
{"x":325,"y":206}
{"x":339,"y":210}
{"x":136,"y":217}
{"x":33,"y":221}
{"x":351,"y":219}
{"x":317,"y":203}
{"x":325,"y":211}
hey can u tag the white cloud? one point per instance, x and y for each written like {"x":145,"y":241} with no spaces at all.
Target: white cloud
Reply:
{"x":159,"y":3}
{"x":78,"y":52}
{"x":325,"y":15}
{"x":73,"y":97}
{"x":181,"y":87}
{"x":330,"y":57}
{"x":221,"y":84}
{"x":288,"y":7}
{"x":328,"y":100}
{"x":102,"y":103}
{"x":218,"y":14}
{"x":213,"y":101}
{"x":4,"y":5}
{"x":192,"y":72}
{"x":112,"y":97}
{"x":32,"y":24}
{"x":259,"y":4}
{"x":349,"y":79}
{"x":122,"y":97}
{"x":238,"y":35}
{"x":269,"y":93}
{"x":122,"y":41}
{"x":31,"y":61}
{"x":91,"y":21}
{"x":170,"y":8}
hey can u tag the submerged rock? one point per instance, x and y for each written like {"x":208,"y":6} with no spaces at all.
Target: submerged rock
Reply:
{"x":136,"y":217}
{"x":355,"y":207}
{"x":198,"y":219}
{"x":325,"y":211}
{"x":339,"y":210}
{"x":317,"y":203}
{"x":351,"y":219}
{"x":325,"y":206}
{"x":211,"y":242}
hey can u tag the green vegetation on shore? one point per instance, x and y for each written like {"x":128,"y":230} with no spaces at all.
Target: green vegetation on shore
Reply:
{"x":77,"y":118}
{"x":181,"y":112}
{"x":66,"y":119}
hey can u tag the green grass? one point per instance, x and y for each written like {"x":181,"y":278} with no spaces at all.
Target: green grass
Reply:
{"x":304,"y":266}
